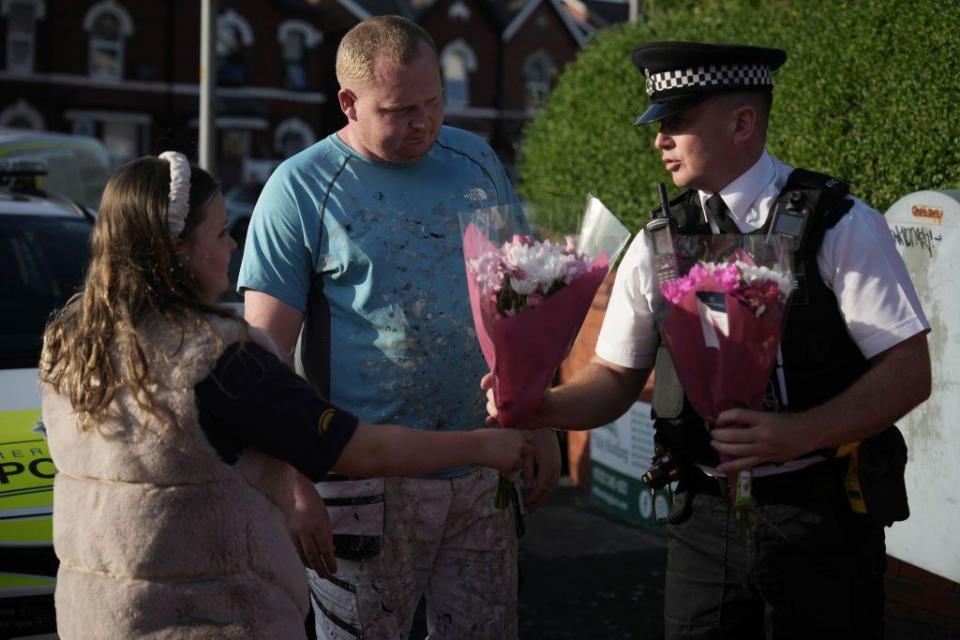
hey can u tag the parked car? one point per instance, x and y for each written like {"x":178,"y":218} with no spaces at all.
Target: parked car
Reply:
{"x":240,"y":201}
{"x":44,"y":251}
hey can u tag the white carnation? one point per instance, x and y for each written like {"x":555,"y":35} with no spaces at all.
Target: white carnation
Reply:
{"x":752,"y":274}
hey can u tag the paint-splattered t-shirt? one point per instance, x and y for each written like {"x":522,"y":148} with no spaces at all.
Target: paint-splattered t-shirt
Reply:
{"x":371,"y":253}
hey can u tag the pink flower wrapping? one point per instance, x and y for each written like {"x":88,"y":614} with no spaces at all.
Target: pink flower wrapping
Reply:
{"x":735,"y":372}
{"x":524,"y":350}
{"x":723,"y":330}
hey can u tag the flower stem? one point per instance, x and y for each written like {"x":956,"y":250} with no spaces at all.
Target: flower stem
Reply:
{"x":504,"y":493}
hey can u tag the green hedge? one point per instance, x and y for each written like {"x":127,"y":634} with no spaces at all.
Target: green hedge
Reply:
{"x":870,"y":93}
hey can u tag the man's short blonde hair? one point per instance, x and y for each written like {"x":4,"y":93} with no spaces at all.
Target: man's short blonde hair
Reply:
{"x":392,"y":36}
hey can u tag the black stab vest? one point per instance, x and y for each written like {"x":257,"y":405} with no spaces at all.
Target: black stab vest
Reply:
{"x":820,"y":359}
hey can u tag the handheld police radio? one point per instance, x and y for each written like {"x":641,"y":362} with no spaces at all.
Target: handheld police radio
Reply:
{"x":659,"y":229}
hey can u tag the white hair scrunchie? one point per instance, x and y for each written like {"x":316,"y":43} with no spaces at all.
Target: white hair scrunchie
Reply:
{"x":179,"y":190}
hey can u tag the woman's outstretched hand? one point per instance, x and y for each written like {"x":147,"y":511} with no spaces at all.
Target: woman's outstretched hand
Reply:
{"x":507,"y":450}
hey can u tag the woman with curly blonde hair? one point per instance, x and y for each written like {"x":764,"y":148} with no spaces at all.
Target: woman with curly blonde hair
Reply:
{"x":177,"y":432}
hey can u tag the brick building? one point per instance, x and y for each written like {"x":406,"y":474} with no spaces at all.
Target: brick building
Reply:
{"x":127,"y":71}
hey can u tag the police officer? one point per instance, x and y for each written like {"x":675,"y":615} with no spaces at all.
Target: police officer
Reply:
{"x":855,"y":360}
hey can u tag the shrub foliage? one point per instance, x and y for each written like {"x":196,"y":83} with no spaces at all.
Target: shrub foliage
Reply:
{"x":869,"y":93}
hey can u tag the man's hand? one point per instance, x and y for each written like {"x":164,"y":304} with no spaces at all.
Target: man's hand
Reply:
{"x":545,"y":461}
{"x":597,"y":395}
{"x":486,"y":383}
{"x":311,"y":530}
{"x":534,"y":421}
{"x":546,"y":468}
{"x":898,"y":380}
{"x":755,"y":437}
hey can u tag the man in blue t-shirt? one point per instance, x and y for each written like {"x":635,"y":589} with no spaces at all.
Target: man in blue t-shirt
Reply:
{"x":354,"y":249}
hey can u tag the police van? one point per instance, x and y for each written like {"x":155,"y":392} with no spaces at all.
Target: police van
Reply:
{"x":77,"y":167}
{"x":44,"y":250}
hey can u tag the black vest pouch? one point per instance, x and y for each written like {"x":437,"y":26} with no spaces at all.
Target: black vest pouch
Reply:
{"x":882,"y":460}
{"x":667,"y":392}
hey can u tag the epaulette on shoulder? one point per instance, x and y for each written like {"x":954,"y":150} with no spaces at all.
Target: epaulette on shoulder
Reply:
{"x":806,"y":179}
{"x":829,"y":198}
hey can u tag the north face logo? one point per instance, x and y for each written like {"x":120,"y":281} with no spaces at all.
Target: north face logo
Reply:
{"x":476,"y":194}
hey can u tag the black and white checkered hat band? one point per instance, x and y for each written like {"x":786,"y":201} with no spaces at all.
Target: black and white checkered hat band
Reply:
{"x":710,"y":76}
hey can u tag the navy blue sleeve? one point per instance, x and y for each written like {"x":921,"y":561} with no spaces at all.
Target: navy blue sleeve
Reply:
{"x":252,"y":399}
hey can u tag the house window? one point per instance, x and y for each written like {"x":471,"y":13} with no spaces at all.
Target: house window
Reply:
{"x":457,"y":62}
{"x":296,"y":37}
{"x":21,"y":115}
{"x":125,"y":134}
{"x":109,"y":25}
{"x":538,"y":71}
{"x":106,"y":48}
{"x":234,"y":35}
{"x":237,"y":144}
{"x":456,"y":82}
{"x":22,"y":16}
{"x":294,"y":61}
{"x":122,"y":139}
{"x":292,"y":136}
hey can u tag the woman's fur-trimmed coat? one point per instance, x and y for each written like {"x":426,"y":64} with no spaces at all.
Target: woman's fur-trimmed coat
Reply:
{"x":157,"y":536}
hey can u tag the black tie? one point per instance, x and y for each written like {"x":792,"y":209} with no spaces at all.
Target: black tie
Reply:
{"x":718,"y":209}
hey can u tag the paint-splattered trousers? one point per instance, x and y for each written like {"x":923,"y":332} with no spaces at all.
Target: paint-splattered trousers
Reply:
{"x":440,"y":537}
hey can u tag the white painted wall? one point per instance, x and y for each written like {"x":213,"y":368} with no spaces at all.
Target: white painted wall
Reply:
{"x":926,"y":226}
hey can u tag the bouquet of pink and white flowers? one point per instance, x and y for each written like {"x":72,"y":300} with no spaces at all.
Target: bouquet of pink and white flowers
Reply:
{"x":723,"y":327}
{"x":529,"y":298}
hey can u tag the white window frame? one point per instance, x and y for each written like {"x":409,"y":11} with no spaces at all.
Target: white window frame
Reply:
{"x":311,"y":35}
{"x":459,"y":47}
{"x":39,"y":13}
{"x":293,"y":125}
{"x":22,"y":109}
{"x":118,"y":46}
{"x":234,"y":19}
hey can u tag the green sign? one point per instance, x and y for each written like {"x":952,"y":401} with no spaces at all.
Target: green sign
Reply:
{"x":626,"y":497}
{"x":619,"y":455}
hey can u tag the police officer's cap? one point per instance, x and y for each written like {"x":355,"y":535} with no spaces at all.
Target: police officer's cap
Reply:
{"x":681,"y":75}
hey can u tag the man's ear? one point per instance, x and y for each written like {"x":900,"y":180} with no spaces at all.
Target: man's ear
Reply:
{"x":744,"y":124}
{"x":348,"y":103}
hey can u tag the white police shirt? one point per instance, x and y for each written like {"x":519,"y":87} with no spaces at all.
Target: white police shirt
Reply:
{"x":858,"y":261}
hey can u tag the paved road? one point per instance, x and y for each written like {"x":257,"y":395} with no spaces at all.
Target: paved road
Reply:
{"x":591,"y":577}
{"x":588,"y":576}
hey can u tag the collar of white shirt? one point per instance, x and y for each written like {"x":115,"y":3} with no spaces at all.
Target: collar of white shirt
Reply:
{"x":743,"y":195}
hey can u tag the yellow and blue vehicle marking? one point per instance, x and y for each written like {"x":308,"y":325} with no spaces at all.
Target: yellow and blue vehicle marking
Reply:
{"x":28,"y":566}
